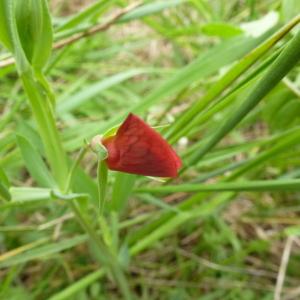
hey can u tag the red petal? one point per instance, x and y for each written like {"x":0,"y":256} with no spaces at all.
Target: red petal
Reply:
{"x":137,"y":148}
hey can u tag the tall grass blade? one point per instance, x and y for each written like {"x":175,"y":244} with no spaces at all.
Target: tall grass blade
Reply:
{"x":35,"y":163}
{"x":281,"y":66}
{"x":239,"y":186}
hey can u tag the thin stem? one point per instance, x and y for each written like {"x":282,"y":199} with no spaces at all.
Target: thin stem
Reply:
{"x":107,"y":259}
{"x":97,"y":28}
{"x":102,"y":183}
{"x":79,"y":158}
{"x":44,"y":117}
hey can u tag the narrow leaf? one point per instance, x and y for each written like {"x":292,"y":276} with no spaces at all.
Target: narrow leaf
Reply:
{"x":4,"y":192}
{"x":35,"y":30}
{"x":93,"y":90}
{"x":281,"y":66}
{"x":149,"y":9}
{"x":5,"y":37}
{"x":84,"y":15}
{"x":35,"y":163}
{"x":239,"y":186}
{"x":121,"y":191}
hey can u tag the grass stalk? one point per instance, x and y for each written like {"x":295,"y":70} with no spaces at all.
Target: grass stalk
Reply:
{"x":282,"y":65}
{"x":108,"y":259}
{"x":44,"y":117}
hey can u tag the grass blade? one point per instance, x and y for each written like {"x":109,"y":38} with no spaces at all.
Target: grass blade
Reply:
{"x":78,"y":286}
{"x":183,"y":123}
{"x":91,"y":91}
{"x":149,"y":9}
{"x":240,"y":186}
{"x":122,"y":189}
{"x":84,"y":15}
{"x":35,"y":163}
{"x":282,"y":65}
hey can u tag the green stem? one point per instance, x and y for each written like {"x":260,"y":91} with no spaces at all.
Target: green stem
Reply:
{"x":79,"y":158}
{"x":108,"y":259}
{"x":43,"y":114}
{"x":102,"y":182}
{"x":42,"y":99}
{"x":238,"y":186}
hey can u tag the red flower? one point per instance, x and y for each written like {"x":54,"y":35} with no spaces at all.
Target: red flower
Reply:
{"x":138,"y":149}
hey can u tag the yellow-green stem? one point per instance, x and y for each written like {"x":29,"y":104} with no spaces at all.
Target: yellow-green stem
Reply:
{"x":43,"y":115}
{"x":102,"y":182}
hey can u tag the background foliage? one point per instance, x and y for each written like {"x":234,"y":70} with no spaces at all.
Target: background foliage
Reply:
{"x":222,"y":80}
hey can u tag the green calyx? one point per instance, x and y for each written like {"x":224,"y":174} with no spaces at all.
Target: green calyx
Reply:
{"x":98,"y":147}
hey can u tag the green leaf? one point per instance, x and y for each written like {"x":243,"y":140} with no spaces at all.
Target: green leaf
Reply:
{"x":9,"y":34}
{"x":122,"y":189}
{"x":239,"y":186}
{"x":83,"y":183}
{"x":287,"y":114}
{"x":4,"y":178}
{"x":146,"y":197}
{"x":91,"y":91}
{"x":73,"y":289}
{"x":35,"y":30}
{"x":34,"y":163}
{"x":85,"y":15}
{"x":48,"y":131}
{"x":281,"y":66}
{"x":43,"y":251}
{"x":24,"y":194}
{"x":27,"y":196}
{"x":5,"y":37}
{"x":36,"y":38}
{"x":204,"y":65}
{"x":282,"y":144}
{"x":26,"y":130}
{"x":4,"y":192}
{"x":185,"y":122}
{"x":149,"y":9}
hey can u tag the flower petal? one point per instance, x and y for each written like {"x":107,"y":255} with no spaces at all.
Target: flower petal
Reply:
{"x":139,"y":149}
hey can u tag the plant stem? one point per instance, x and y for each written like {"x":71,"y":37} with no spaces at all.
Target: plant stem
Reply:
{"x":102,"y":182}
{"x":42,"y":99}
{"x":43,"y":114}
{"x":108,"y":259}
{"x":79,"y":158}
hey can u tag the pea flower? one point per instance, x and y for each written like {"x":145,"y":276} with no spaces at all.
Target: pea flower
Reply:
{"x":138,"y":149}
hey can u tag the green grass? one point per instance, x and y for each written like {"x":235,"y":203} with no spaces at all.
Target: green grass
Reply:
{"x":227,"y":98}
